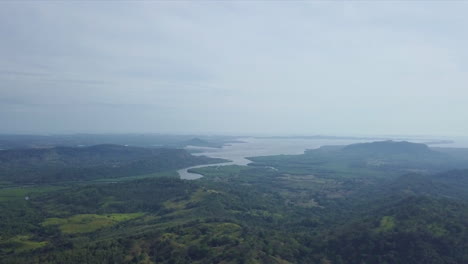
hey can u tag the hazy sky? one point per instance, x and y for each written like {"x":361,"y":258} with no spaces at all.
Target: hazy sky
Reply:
{"x":222,"y":67}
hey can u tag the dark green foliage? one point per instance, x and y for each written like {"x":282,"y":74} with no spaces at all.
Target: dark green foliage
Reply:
{"x":423,"y":230}
{"x":57,"y":164}
{"x":18,"y":217}
{"x":326,"y":206}
{"x":128,"y":197}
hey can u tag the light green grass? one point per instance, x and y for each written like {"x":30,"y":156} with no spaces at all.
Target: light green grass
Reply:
{"x":85,"y":223}
{"x":437,"y":230}
{"x":21,"y":243}
{"x":197,"y":196}
{"x":19,"y":193}
{"x":170,"y":174}
{"x":387,"y":223}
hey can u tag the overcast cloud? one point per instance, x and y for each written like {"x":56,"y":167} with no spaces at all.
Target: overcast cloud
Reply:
{"x":223,"y":67}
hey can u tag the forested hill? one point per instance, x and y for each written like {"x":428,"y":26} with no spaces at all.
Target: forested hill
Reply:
{"x":197,"y":142}
{"x":137,"y":140}
{"x":84,"y":163}
{"x":389,"y":147}
{"x":82,"y":155}
{"x":328,"y":205}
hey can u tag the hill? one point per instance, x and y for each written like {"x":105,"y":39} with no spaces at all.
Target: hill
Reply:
{"x":137,"y":140}
{"x":85,"y":163}
{"x":325,"y":206}
{"x":197,"y":142}
{"x":388,"y":147}
{"x":379,"y":157}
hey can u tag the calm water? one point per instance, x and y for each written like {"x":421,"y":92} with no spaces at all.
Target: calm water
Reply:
{"x":237,"y":152}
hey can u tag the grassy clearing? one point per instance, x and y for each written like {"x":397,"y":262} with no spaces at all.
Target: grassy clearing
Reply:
{"x":196,"y":197}
{"x":220,"y":171}
{"x":205,"y":231}
{"x":20,"y":244}
{"x":387,"y":223}
{"x":13,"y":194}
{"x":85,"y":223}
{"x":19,"y":193}
{"x":437,"y":230}
{"x":6,"y":184}
{"x":169,"y":174}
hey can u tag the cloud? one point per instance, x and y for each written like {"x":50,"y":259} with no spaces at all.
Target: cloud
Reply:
{"x":276,"y":67}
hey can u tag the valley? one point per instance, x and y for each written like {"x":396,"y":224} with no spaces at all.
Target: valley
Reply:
{"x":323,"y":205}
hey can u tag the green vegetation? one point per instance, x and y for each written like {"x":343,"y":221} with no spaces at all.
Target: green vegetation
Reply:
{"x":61,"y":164}
{"x":367,"y":159}
{"x":20,"y":244}
{"x":170,"y":174}
{"x":326,"y":206}
{"x":22,"y":193}
{"x":85,"y":223}
{"x":387,"y":223}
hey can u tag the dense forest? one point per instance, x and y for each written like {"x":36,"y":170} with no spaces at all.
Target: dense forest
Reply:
{"x":52,"y":165}
{"x":383,"y":202}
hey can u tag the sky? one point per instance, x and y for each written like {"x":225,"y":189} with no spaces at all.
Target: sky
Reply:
{"x":223,"y":67}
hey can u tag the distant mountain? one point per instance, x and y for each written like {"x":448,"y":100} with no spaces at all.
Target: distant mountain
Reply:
{"x":197,"y":142}
{"x":383,"y":156}
{"x":85,"y":163}
{"x":389,"y":147}
{"x":138,"y":140}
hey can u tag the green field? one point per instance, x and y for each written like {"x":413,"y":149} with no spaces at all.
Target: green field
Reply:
{"x":85,"y":223}
{"x":20,"y":193}
{"x":20,"y":243}
{"x":320,"y":207}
